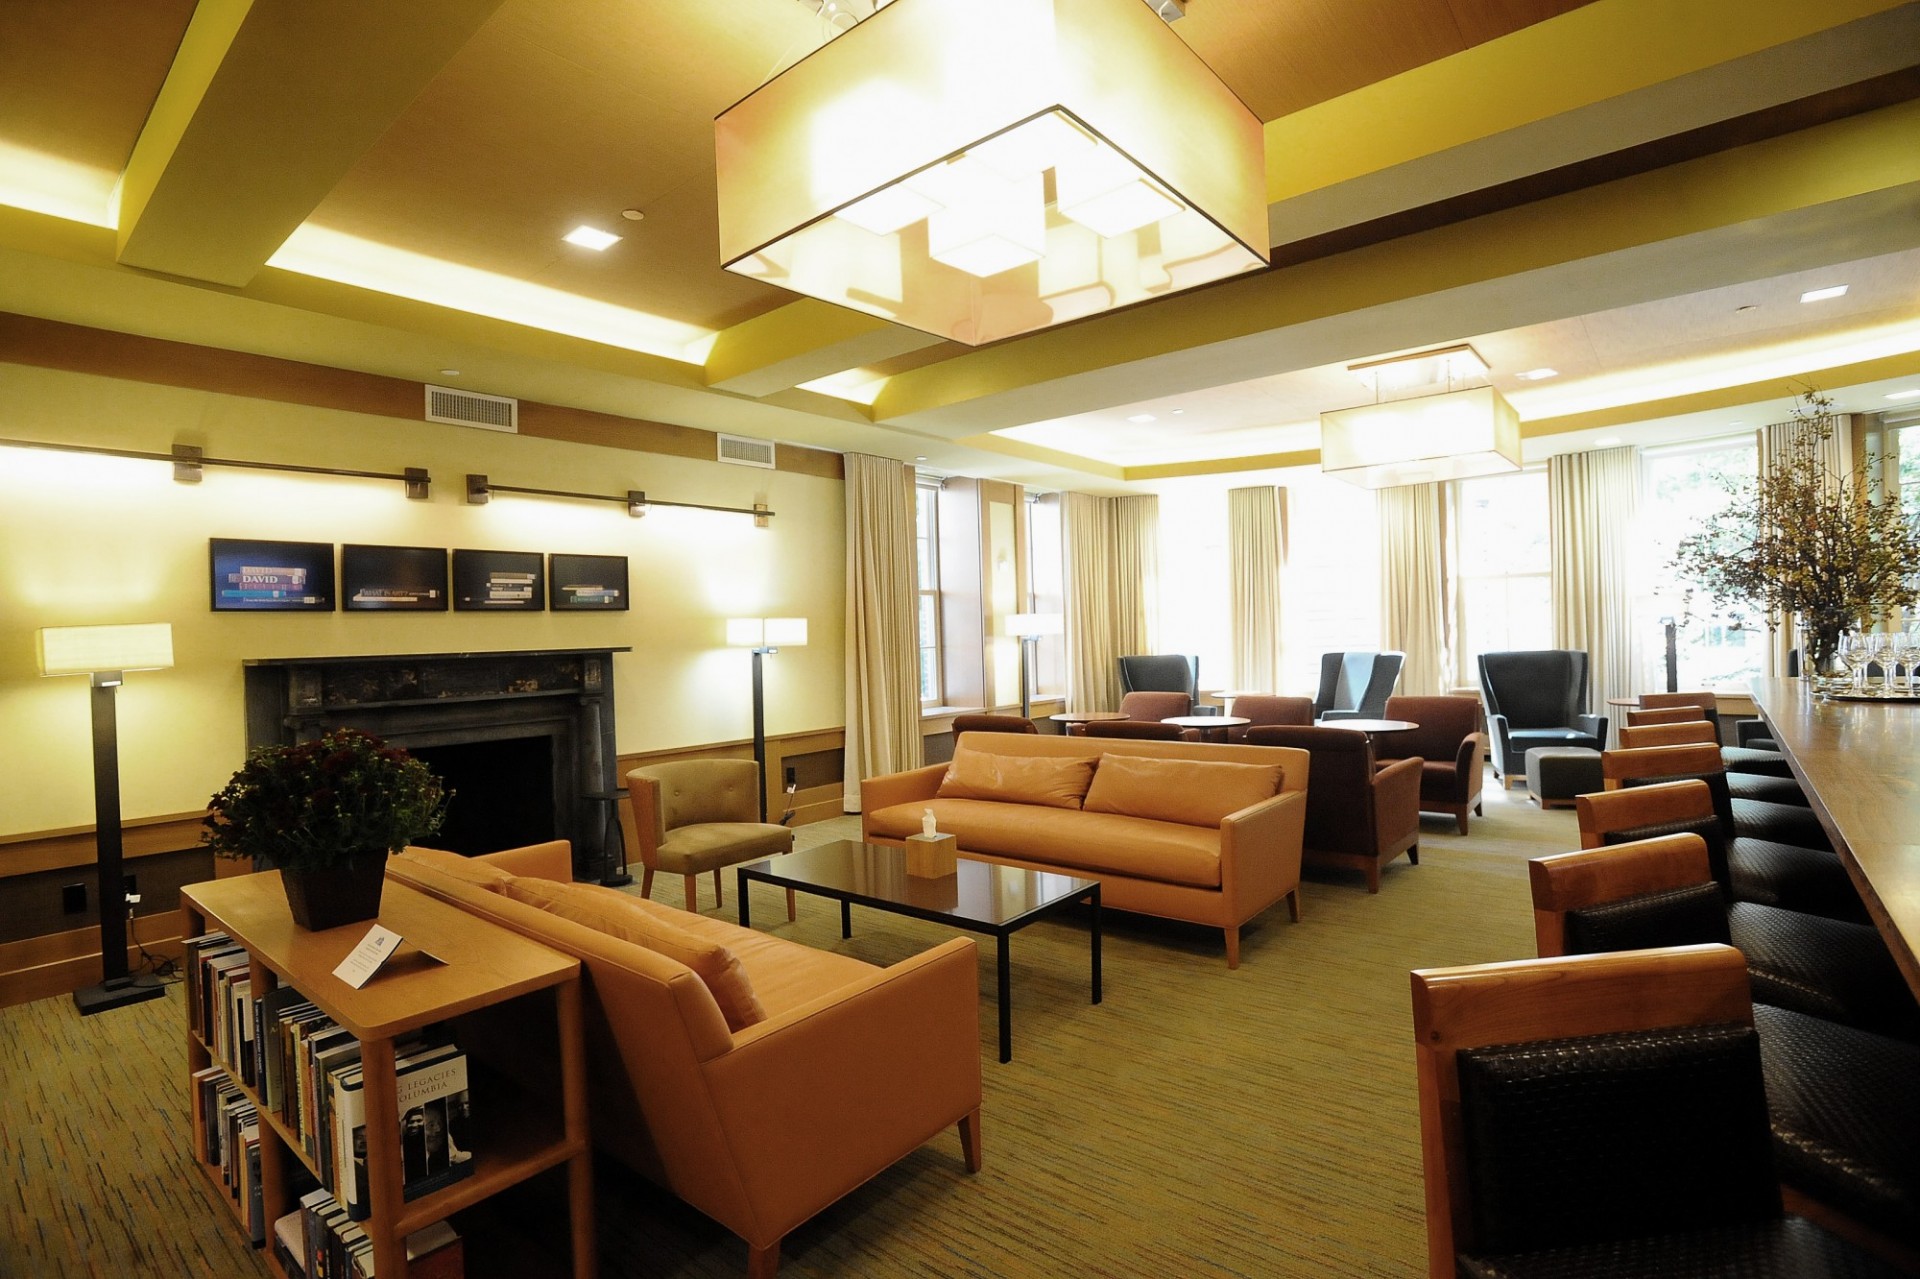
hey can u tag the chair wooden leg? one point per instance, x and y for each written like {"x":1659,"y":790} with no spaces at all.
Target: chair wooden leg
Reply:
{"x":1373,"y":876}
{"x":1413,"y":855}
{"x":1460,"y":819}
{"x":1233,"y":946}
{"x":646,"y":882}
{"x":1293,"y":905}
{"x":719,"y":890}
{"x":693,"y":892}
{"x":790,"y":914}
{"x":1479,"y":808}
{"x":763,"y":1263}
{"x":970,"y":1138}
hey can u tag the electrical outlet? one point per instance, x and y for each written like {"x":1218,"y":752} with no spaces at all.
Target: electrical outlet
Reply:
{"x":793,"y":782}
{"x":73,"y":899}
{"x":130,"y":885}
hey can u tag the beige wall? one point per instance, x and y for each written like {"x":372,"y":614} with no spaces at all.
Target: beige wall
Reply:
{"x":87,"y":540}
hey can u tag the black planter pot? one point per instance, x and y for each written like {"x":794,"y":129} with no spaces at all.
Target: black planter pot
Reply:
{"x":348,"y":894}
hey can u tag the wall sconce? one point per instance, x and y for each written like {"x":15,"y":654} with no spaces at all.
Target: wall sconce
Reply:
{"x":104,"y":654}
{"x":480,"y":491}
{"x":190,"y":463}
{"x":764,"y":635}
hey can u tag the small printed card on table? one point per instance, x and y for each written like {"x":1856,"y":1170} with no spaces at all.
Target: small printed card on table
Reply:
{"x":359,"y":967}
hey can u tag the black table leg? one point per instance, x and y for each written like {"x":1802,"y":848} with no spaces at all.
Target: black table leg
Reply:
{"x":740,"y":894}
{"x":1006,"y":999}
{"x":1095,"y":898}
{"x":846,"y":919}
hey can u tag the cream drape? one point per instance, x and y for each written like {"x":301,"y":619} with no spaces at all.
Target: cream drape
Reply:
{"x":1414,"y":612}
{"x":1592,"y":499}
{"x":1111,"y":548}
{"x":1255,"y":551}
{"x":883,"y":637}
{"x":1841,"y":452}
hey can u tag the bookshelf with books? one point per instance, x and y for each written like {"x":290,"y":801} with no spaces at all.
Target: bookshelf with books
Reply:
{"x":287,"y":1061}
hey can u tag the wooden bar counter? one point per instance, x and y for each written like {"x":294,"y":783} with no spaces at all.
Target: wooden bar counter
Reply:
{"x":1859,"y":763}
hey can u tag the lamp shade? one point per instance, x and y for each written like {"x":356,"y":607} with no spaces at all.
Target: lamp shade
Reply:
{"x":767,"y":632}
{"x":1029,"y":624}
{"x":1453,"y":436}
{"x":82,"y":650}
{"x":982,"y":168}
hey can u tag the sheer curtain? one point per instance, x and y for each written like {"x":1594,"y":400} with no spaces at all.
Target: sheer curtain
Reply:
{"x":883,"y":638}
{"x":1111,"y":547}
{"x":1256,"y":542}
{"x":1413,"y":585}
{"x":1841,"y":451}
{"x":1592,"y":501}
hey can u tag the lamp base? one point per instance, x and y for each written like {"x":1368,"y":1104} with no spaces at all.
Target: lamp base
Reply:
{"x":117,"y":992}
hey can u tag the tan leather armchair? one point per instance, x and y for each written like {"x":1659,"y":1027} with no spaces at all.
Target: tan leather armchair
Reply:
{"x":700,"y":815}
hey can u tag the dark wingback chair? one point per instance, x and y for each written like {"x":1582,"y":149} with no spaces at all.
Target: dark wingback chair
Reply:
{"x":1164,"y":673}
{"x":1358,"y":817}
{"x":1536,"y":697}
{"x":1449,"y":743}
{"x":1356,"y":685}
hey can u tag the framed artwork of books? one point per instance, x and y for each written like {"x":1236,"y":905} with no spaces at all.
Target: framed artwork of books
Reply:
{"x":587,"y":583}
{"x":249,"y":576}
{"x":393,"y":579}
{"x":499,"y":581}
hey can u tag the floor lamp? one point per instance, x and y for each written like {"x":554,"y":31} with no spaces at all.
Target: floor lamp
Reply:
{"x":764,"y":635}
{"x":105,"y":653}
{"x":1028,"y":628}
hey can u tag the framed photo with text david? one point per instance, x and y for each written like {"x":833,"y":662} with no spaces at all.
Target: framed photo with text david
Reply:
{"x":249,"y":576}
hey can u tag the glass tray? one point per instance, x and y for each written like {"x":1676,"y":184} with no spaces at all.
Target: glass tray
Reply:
{"x":1870,"y":695}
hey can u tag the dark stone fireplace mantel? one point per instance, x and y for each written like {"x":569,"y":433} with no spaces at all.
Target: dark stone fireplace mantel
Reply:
{"x":427,"y":700}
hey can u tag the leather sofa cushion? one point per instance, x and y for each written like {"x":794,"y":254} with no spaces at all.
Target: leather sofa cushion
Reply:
{"x":656,"y":927}
{"x":1094,"y":843}
{"x":1017,"y":779}
{"x":454,"y":866}
{"x":783,"y":973}
{"x":1192,"y":792}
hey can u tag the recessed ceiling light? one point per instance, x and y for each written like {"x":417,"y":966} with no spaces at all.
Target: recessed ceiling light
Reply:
{"x":633,"y":215}
{"x":1821,"y":295}
{"x":589,"y":238}
{"x":1742,"y":310}
{"x":449,"y":372}
{"x":1736,"y":424}
{"x":920,"y":457}
{"x":1608,"y":442}
{"x":1905,"y":395}
{"x":1143,"y":417}
{"x":1178,"y":412}
{"x":1537,"y":375}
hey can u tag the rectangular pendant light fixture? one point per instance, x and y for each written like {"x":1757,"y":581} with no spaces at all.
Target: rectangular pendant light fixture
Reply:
{"x":1451,"y":436}
{"x":978,"y":169}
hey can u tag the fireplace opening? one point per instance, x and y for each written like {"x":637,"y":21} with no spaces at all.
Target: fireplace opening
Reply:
{"x":502,"y":793}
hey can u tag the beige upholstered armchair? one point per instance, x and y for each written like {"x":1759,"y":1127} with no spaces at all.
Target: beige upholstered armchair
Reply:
{"x":699,"y":815}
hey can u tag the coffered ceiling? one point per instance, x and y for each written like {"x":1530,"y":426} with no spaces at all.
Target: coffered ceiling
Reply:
{"x":1589,"y":187}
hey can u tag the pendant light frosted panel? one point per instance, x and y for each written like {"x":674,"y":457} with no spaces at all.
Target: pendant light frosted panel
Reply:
{"x":1454,"y":436}
{"x":978,"y":169}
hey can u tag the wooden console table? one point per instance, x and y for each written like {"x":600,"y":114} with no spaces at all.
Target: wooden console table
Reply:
{"x":480,"y":965}
{"x":1859,"y":763}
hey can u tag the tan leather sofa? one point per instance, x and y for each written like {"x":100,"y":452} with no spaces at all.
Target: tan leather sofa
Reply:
{"x":1161,"y":837}
{"x":850,"y":1068}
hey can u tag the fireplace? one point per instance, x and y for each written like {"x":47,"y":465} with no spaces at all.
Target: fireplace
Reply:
{"x":522,"y":737}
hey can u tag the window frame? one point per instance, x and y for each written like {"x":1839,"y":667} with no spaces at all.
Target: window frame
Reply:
{"x":1466,"y":654}
{"x":926,"y":496}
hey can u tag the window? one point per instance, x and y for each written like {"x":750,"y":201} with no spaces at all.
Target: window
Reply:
{"x":1330,"y":586}
{"x":1905,"y":469}
{"x":1046,"y":592}
{"x":926,"y":538}
{"x":1713,"y":644}
{"x":1504,"y":582}
{"x":1195,"y":575}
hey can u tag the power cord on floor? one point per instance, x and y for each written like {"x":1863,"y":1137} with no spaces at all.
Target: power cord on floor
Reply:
{"x":161,"y":968}
{"x":786,"y":818}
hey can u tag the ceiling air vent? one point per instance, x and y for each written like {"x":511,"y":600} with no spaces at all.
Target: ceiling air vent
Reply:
{"x":467,"y":408}
{"x":743,"y":450}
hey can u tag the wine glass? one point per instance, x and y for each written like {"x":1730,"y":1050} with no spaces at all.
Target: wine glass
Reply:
{"x":1853,"y":654}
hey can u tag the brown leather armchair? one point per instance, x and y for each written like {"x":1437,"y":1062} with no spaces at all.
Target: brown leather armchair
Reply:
{"x":1358,"y":817}
{"x":1450,"y":748}
{"x":992,"y":724}
{"x":1263,"y":708}
{"x":700,"y":815}
{"x":1138,"y":730}
{"x":1155,"y":706}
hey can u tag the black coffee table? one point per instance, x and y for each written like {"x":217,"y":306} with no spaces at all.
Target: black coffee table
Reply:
{"x":979,"y":897}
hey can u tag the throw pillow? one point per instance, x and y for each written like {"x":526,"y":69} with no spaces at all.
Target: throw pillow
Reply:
{"x":647,"y":923}
{"x":454,"y":866}
{"x":1017,"y":779}
{"x":1189,"y":791}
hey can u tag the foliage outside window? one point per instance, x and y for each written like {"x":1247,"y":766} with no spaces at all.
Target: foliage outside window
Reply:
{"x":926,"y":541}
{"x":1505,"y":576}
{"x":1804,"y":540}
{"x":1714,"y":643}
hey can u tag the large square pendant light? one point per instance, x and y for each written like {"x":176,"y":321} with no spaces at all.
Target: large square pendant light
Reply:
{"x":979,"y":169}
{"x":1451,"y":436}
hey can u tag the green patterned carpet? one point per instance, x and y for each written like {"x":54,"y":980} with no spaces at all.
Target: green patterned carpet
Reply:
{"x":1198,"y":1123}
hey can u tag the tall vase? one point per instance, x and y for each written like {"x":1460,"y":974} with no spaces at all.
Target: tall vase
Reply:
{"x":1820,"y":651}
